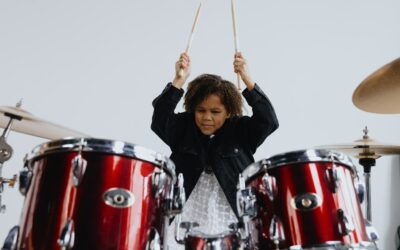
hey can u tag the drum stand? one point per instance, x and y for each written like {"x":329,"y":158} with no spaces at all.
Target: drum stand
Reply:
{"x":6,"y":152}
{"x":367,"y":163}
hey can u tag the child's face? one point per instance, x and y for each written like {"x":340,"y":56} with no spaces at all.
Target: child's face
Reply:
{"x":210,"y":114}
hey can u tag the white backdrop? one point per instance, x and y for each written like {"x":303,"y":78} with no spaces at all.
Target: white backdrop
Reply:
{"x":95,"y":66}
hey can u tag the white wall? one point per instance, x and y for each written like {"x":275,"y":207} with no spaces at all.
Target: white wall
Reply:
{"x":95,"y":66}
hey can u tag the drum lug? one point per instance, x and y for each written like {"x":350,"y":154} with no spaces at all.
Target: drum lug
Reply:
{"x":345,"y":225}
{"x":10,"y":243}
{"x":179,"y":195}
{"x":153,"y":240}
{"x":177,"y":198}
{"x":246,"y":202}
{"x":360,"y":190}
{"x":67,"y":237}
{"x":78,"y":169}
{"x":276,"y":232}
{"x":25,"y":178}
{"x":333,"y":178}
{"x":269,"y":185}
{"x":158,"y":181}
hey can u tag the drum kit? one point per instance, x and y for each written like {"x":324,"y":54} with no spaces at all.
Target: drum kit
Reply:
{"x":87,"y":193}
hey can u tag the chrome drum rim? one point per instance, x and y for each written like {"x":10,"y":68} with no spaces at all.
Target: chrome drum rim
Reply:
{"x":113,"y":147}
{"x":295,"y":157}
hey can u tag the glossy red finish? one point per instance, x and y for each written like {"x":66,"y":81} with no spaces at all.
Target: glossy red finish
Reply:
{"x":313,"y":227}
{"x":52,"y":200}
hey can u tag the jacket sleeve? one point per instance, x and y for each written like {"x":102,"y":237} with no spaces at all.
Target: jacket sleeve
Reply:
{"x":263,"y":121}
{"x":164,"y":120}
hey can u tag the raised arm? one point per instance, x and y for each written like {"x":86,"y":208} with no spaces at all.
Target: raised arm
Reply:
{"x":263,"y":120}
{"x":164,"y":121}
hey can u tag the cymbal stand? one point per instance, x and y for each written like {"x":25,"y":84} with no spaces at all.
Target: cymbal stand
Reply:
{"x":6,"y":152}
{"x":367,"y":163}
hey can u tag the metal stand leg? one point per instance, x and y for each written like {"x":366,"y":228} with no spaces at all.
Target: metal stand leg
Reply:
{"x":367,"y":163}
{"x":367,"y":177}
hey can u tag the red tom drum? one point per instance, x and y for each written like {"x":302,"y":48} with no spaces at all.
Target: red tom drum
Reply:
{"x":85,"y":193}
{"x":306,"y":200}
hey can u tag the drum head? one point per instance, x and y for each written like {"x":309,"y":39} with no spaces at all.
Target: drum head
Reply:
{"x":103,"y":146}
{"x":300,"y":156}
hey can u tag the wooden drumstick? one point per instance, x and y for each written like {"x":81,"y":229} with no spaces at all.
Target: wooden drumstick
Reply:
{"x":189,"y":44}
{"x":235,"y":35}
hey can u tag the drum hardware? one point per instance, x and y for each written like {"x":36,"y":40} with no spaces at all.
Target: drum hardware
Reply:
{"x":153,"y":240}
{"x":160,"y":159}
{"x":246,"y":200}
{"x":246,"y":204}
{"x":173,"y":205}
{"x":332,"y":179}
{"x":367,"y":163}
{"x":158,"y":181}
{"x":332,"y":175}
{"x":6,"y":152}
{"x":269,"y":185}
{"x":188,"y":226}
{"x":67,"y":237}
{"x":276,"y":231}
{"x":10,"y":243}
{"x":371,"y":231}
{"x":119,"y":198}
{"x":176,"y":198}
{"x":11,"y":183}
{"x":78,"y":163}
{"x":367,"y":151}
{"x":346,"y":227}
{"x":360,"y":189}
{"x":380,"y":91}
{"x":78,"y":169}
{"x":25,"y":177}
{"x":306,"y":201}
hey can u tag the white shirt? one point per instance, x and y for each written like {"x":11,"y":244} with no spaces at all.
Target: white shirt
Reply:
{"x":208,"y":206}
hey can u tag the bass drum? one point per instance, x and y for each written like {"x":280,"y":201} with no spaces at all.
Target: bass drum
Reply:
{"x":306,"y":200}
{"x":85,"y":193}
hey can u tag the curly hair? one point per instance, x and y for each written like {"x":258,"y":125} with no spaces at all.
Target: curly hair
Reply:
{"x":204,"y":85}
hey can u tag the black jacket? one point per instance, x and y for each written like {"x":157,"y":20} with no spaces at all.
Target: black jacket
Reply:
{"x":227,"y":153}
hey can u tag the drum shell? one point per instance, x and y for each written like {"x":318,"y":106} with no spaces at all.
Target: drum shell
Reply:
{"x":317,"y":227}
{"x":53,"y":199}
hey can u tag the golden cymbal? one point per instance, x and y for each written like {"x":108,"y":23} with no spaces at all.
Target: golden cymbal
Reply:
{"x":365,"y":148}
{"x":26,"y":123}
{"x":380,"y":92}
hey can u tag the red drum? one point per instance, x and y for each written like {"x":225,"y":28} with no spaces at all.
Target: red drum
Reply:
{"x":306,"y":200}
{"x":98,"y":194}
{"x":196,"y":240}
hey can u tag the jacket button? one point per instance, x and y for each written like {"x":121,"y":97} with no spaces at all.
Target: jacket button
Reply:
{"x":236,"y":150}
